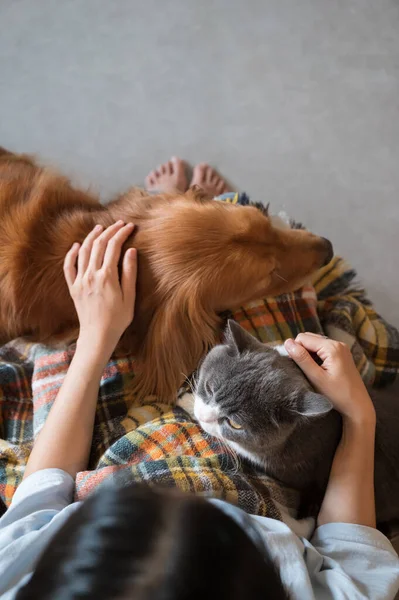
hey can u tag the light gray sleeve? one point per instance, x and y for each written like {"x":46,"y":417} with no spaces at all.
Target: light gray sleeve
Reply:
{"x":48,"y":489}
{"x":346,"y":557}
{"x":39,"y":508}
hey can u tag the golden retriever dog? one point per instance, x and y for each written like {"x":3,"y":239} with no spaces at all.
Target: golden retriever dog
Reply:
{"x":196,"y":258}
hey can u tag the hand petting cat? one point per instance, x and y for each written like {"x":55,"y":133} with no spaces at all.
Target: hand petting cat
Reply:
{"x":350,"y":495}
{"x":337,"y":377}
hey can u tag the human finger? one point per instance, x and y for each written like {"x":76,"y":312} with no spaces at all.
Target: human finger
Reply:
{"x":85,"y":249}
{"x":70,"y":270}
{"x":129,"y":277}
{"x":114,"y":246}
{"x":303,"y":359}
{"x":314,"y":343}
{"x":319,"y":335}
{"x":100,"y":245}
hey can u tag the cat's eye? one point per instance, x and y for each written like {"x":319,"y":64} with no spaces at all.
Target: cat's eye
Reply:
{"x":234,"y":424}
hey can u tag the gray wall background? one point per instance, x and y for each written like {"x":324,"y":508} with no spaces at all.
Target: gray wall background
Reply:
{"x":296,"y":101}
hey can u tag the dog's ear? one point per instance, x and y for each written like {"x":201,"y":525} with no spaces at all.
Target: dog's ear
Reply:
{"x":180,"y":333}
{"x":196,"y":193}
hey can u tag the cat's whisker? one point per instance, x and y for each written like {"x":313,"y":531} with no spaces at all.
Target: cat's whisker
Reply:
{"x":190,"y":384}
{"x":232,"y":453}
{"x":280,"y":276}
{"x":235,"y":458}
{"x":274,"y":420}
{"x":194,"y":380}
{"x":227,"y":450}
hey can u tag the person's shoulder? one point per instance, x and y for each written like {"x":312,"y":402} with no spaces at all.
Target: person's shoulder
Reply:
{"x":41,"y":505}
{"x":50,"y":489}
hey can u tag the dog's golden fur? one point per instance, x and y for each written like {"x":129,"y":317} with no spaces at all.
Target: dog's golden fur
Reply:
{"x":196,"y":258}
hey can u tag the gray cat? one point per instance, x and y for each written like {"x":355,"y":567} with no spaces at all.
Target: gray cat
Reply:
{"x":258,"y":400}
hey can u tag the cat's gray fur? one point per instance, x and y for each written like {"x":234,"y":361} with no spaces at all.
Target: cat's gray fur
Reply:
{"x":287,"y":428}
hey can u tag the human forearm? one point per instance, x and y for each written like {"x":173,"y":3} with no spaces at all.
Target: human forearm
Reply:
{"x":65,"y":440}
{"x":350,"y":491}
{"x":349,"y":497}
{"x":104,"y":302}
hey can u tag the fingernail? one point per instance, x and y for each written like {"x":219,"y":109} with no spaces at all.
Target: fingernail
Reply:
{"x":120,"y":222}
{"x":98,"y":227}
{"x":129,"y":225}
{"x":291,"y":346}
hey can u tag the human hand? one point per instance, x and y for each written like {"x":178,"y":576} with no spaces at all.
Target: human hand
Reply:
{"x":104,"y":306}
{"x":337,"y":378}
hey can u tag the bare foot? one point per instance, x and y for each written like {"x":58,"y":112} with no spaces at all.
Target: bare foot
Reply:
{"x":169,"y":177}
{"x":209,"y":180}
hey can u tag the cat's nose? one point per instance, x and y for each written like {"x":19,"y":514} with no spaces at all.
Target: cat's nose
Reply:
{"x":207,"y":416}
{"x":203,"y":412}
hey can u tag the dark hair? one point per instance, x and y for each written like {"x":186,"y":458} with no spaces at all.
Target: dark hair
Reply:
{"x":144,"y":543}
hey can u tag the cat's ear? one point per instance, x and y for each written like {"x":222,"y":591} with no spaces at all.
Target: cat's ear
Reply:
{"x":314,"y":405}
{"x":240,"y":339}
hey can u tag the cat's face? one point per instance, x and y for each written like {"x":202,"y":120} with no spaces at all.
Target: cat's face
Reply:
{"x":252,"y":396}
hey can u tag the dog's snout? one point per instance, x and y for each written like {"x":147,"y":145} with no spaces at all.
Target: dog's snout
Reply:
{"x":329,"y":250}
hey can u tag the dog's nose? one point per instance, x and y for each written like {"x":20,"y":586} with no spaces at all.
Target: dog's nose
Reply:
{"x":329,"y":250}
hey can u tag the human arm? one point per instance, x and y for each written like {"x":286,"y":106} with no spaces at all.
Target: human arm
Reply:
{"x":349,"y":496}
{"x":105,"y":308}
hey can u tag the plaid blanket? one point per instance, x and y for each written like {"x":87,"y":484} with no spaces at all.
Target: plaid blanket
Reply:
{"x":160,"y":444}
